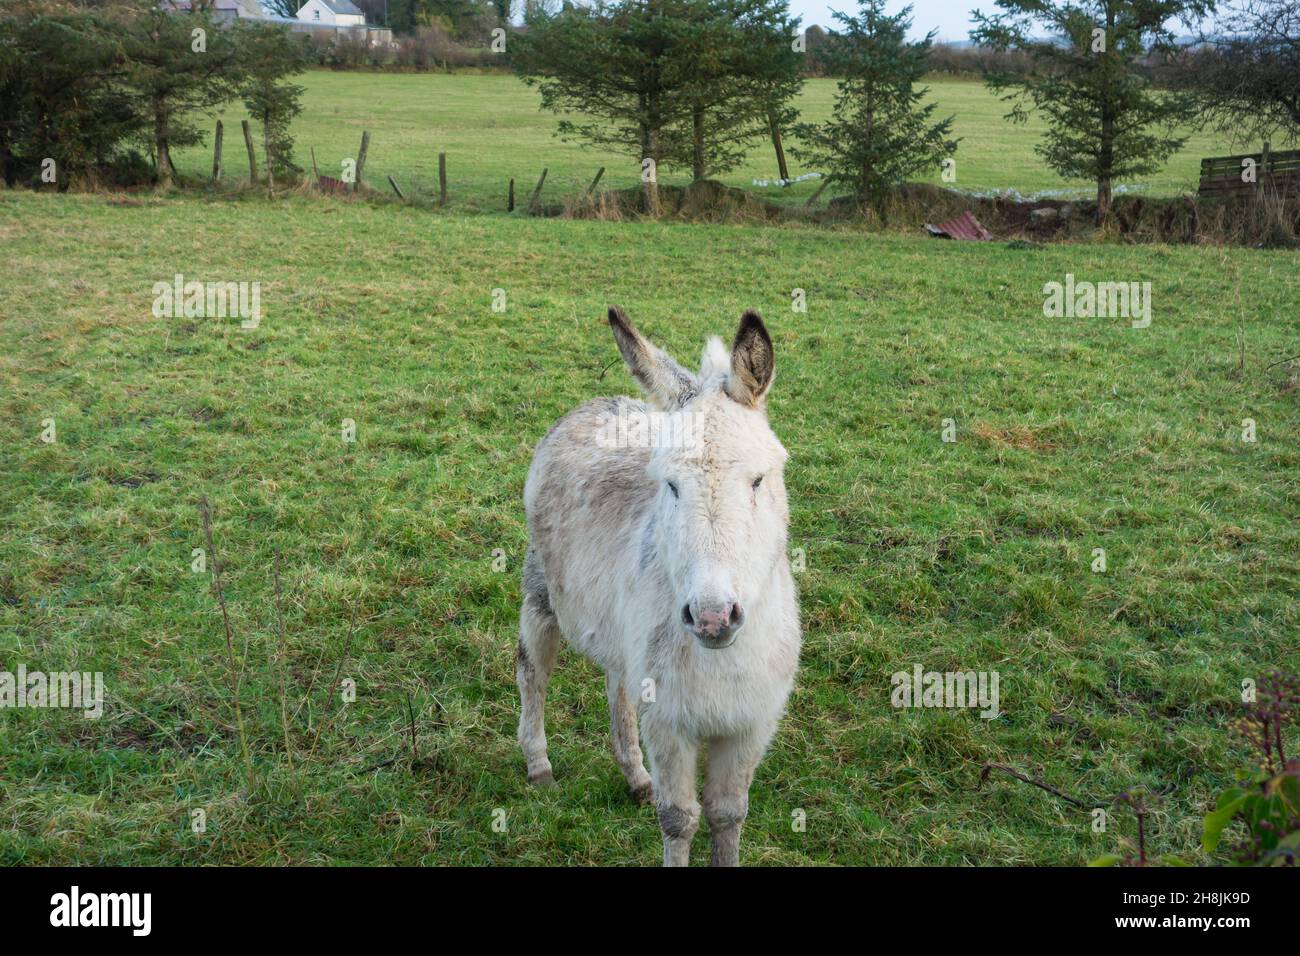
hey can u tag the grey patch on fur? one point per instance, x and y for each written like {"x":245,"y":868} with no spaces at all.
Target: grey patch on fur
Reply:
{"x":676,"y":823}
{"x":644,"y":794}
{"x":648,"y":541}
{"x":523,"y":664}
{"x":536,"y":592}
{"x":727,"y":816}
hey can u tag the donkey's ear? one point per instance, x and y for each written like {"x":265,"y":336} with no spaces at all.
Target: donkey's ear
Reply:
{"x":666,"y":383}
{"x":752,"y":362}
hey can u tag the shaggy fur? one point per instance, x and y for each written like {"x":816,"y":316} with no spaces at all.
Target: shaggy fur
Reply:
{"x":667,"y":567}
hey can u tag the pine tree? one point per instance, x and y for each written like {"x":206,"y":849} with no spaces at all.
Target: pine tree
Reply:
{"x":675,"y":83}
{"x":179,"y":67}
{"x":612,"y":63}
{"x":61,"y":96}
{"x":1105,"y":120}
{"x":744,"y":74}
{"x":267,"y":54}
{"x":879,"y":133}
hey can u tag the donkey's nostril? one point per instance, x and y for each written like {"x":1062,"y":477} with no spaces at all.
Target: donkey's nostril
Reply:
{"x":737,"y":615}
{"x":686,"y":616}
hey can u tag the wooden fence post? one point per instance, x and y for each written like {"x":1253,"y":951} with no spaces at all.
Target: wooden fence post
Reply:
{"x":361,"y":159}
{"x":442,"y":179}
{"x":510,"y":203}
{"x":393,"y":182}
{"x":600,"y":172}
{"x":532,"y":203}
{"x":216,"y":155}
{"x":252,"y":156}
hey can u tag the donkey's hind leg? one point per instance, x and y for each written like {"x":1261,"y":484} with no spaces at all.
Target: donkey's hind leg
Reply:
{"x":627,"y":744}
{"x":539,"y":644}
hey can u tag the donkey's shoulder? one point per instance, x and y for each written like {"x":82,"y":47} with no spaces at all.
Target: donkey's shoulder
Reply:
{"x":581,"y":462}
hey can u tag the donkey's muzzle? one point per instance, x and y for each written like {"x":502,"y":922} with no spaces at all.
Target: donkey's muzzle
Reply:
{"x":714,"y":626}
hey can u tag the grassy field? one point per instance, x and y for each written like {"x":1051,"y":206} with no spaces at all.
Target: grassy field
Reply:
{"x":1073,"y":434}
{"x":492,"y":130}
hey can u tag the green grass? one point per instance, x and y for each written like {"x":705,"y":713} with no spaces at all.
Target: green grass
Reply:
{"x":1072,"y":434}
{"x":492,"y":130}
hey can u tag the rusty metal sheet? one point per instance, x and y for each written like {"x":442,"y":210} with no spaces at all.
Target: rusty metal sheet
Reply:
{"x":328,"y":184}
{"x":965,"y":227}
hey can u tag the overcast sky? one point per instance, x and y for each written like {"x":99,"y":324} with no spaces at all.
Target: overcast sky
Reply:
{"x":950,"y":17}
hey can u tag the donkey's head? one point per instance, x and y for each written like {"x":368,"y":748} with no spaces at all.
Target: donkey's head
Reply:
{"x":720,"y":512}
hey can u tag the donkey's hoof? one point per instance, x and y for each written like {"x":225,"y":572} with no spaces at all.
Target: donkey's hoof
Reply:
{"x":644,"y":794}
{"x":543,"y":779}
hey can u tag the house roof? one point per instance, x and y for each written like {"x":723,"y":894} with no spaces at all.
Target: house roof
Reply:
{"x":345,"y":7}
{"x":246,"y":8}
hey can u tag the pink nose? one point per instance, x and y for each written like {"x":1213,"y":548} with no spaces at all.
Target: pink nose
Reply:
{"x":716,"y":624}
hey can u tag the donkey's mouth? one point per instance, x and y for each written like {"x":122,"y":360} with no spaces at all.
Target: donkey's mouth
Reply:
{"x":717,"y":643}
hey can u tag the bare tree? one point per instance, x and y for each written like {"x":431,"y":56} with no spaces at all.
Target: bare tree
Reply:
{"x":1246,"y":75}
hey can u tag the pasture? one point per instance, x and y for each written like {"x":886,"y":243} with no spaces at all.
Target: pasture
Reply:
{"x":492,"y":131}
{"x":399,"y":554}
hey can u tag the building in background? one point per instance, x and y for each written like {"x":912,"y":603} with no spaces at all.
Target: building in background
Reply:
{"x":331,"y":13}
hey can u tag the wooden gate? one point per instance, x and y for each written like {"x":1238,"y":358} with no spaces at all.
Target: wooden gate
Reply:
{"x":1231,"y":175}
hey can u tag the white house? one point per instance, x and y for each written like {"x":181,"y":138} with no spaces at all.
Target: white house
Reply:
{"x":335,"y":13}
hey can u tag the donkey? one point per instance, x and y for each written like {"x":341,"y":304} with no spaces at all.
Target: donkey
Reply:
{"x":664,"y":562}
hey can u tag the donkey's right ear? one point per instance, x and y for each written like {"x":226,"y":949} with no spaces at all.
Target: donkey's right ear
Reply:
{"x":665,"y":383}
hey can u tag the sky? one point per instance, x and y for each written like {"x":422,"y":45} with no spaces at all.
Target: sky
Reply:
{"x":950,"y":17}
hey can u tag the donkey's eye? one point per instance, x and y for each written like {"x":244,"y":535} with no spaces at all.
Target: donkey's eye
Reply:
{"x":757,"y":481}
{"x":672,"y":488}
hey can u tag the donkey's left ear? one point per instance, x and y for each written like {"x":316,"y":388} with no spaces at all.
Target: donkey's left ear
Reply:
{"x":753,"y":362}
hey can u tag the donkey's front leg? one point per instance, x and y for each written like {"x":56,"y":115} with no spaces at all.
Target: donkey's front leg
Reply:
{"x":672,"y":768}
{"x":727,"y":777}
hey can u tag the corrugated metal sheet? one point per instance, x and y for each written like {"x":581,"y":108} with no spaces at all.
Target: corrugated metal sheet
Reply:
{"x":965,"y":227}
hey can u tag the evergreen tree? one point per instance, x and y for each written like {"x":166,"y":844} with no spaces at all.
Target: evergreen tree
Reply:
{"x":267,"y":54}
{"x":613,"y":64}
{"x":879,"y":133}
{"x":686,"y":83}
{"x":61,"y":97}
{"x":745,"y":73}
{"x":1105,"y":119}
{"x":179,"y":66}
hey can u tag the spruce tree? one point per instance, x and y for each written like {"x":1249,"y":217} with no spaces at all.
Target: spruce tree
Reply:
{"x":1105,"y":120}
{"x":880,"y":132}
{"x":744,"y":74}
{"x":268,"y":54}
{"x":675,"y":83}
{"x":179,"y":66}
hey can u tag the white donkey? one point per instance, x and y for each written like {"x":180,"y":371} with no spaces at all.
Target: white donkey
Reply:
{"x":664,"y":562}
